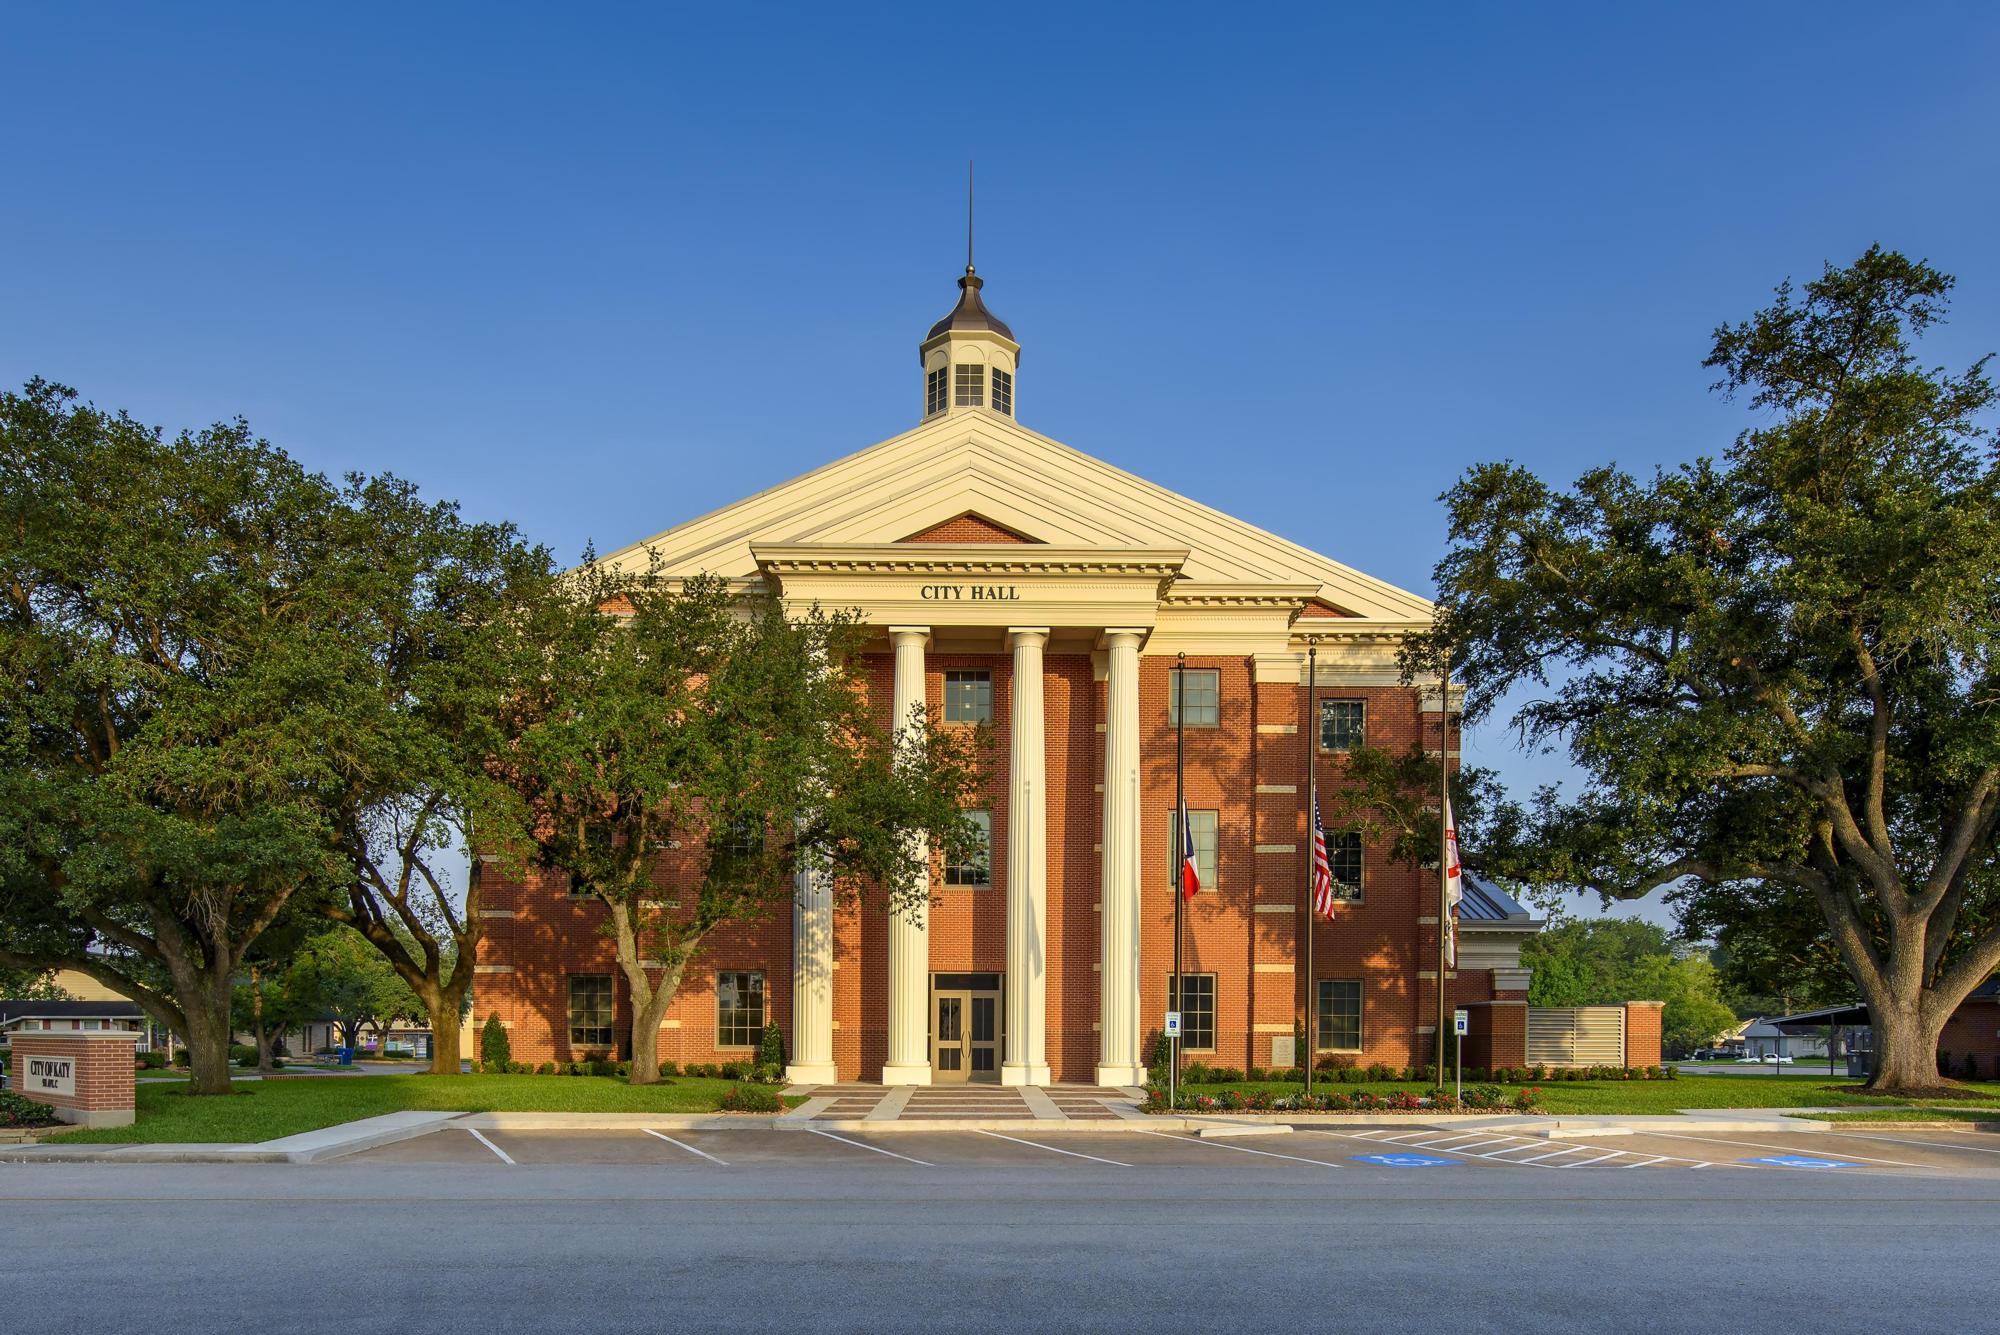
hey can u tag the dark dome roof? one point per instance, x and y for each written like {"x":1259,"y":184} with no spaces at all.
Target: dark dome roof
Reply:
{"x":971,"y":312}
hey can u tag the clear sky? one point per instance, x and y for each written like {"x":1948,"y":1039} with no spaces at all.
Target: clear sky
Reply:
{"x":600,"y":269}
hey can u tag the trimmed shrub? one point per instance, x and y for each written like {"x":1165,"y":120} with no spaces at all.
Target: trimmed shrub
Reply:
{"x":669,"y":1069}
{"x":153,"y":1061}
{"x":1162,"y":1059}
{"x":752,"y":1098}
{"x":771,"y":1050}
{"x":19,"y":1110}
{"x":494,"y":1050}
{"x":546,"y":1068}
{"x":603,"y":1067}
{"x":242,"y":1054}
{"x":736,"y":1070}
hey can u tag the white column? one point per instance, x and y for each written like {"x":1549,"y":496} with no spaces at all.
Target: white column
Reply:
{"x":1118,"y":1002}
{"x":812,"y":980}
{"x":1027,"y":1052}
{"x":909,"y":929}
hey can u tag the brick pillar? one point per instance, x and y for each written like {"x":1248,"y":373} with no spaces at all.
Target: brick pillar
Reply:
{"x":1499,"y":1034}
{"x":1642,"y":1032}
{"x":84,"y":1074}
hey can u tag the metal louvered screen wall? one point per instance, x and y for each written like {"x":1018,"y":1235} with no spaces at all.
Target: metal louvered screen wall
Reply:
{"x":1576,"y":1036}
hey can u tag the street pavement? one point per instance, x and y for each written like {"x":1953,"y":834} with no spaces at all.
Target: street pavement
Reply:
{"x":1361,"y":1229}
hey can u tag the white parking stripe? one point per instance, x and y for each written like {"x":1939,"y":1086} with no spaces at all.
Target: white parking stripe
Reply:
{"x":875,"y":1148}
{"x":504,"y":1156}
{"x":1926,"y":1144}
{"x":1657,"y":1158}
{"x":1407,"y":1135}
{"x":1240,"y":1149}
{"x":1466,"y":1149}
{"x":1581,"y":1163}
{"x":689,"y":1148}
{"x":1554,"y":1154}
{"x":1053,"y":1150}
{"x":1782,"y":1149}
{"x":1466,"y":1135}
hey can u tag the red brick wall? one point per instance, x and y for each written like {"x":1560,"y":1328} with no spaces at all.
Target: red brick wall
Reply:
{"x":1497,"y":1034}
{"x":104,"y":1070}
{"x":1379,"y":941}
{"x":1974,"y":1029}
{"x":1642,"y":1033}
{"x":966,"y":528}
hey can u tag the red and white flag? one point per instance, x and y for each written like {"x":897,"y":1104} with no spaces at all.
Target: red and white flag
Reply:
{"x":1322,"y":877}
{"x":1190,"y":874}
{"x":1454,"y":887}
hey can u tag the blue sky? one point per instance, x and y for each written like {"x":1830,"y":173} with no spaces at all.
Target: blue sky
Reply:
{"x":597,"y":270}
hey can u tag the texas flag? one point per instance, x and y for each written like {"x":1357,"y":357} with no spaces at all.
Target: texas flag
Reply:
{"x":1190,"y":878}
{"x":1454,"y":887}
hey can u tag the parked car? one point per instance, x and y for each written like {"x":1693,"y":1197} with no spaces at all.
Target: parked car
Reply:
{"x":1767,"y":1059}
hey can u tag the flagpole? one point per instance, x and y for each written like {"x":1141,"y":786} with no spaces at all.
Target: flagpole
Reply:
{"x":1444,"y":851}
{"x":1181,"y":837}
{"x":1312,"y":811}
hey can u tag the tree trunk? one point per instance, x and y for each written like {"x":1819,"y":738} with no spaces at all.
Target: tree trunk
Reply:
{"x":646,"y":1027}
{"x":1905,"y":1048}
{"x":442,"y":1006}
{"x":208,"y":1038}
{"x":264,"y":1066}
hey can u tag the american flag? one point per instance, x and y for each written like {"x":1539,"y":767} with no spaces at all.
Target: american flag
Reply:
{"x":1454,"y":887}
{"x":1322,"y":881}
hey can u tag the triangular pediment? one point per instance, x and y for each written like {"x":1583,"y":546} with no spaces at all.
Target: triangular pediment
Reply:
{"x":968,"y":527}
{"x":1010,"y":480}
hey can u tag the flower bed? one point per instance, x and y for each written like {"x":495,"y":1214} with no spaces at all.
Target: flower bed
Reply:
{"x":19,"y":1111}
{"x":1478,"y":1099}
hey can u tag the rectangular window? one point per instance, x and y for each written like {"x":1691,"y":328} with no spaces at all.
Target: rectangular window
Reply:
{"x":1343,"y":724}
{"x":1203,"y":824}
{"x":590,"y":1011}
{"x":971,"y":386}
{"x":739,"y":1009}
{"x":1343,"y":857}
{"x":1003,"y":392}
{"x":934,"y":391}
{"x":1200,"y":692}
{"x":968,"y":697}
{"x":1340,"y":1014}
{"x":975,"y":866}
{"x":1197,"y":1011}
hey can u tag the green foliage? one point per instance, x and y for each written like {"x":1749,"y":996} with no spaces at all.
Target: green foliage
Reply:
{"x":752,"y":1098}
{"x":19,"y":1110}
{"x":702,"y":720}
{"x":771,"y":1050}
{"x":152,"y":1061}
{"x":494,"y":1050}
{"x":339,"y":975}
{"x":1603,"y":961}
{"x":1774,"y":668}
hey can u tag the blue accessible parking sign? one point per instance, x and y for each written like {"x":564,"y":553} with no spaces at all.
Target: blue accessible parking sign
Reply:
{"x":1405,"y":1160}
{"x":1802,"y":1161}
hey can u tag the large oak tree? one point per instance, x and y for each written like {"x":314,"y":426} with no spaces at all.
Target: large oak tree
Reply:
{"x":690,"y":747}
{"x":1776,"y":670}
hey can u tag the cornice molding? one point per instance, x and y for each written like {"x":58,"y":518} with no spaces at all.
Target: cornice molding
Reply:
{"x":945,"y":558}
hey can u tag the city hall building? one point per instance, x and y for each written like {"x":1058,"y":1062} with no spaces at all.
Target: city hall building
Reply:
{"x":1013,"y":581}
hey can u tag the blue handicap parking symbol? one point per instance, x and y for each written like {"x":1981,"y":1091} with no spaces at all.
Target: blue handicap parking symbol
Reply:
{"x":1405,"y":1160}
{"x":1803,"y":1161}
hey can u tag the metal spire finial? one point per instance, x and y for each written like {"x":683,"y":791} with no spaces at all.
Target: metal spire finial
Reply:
{"x":968,"y":215}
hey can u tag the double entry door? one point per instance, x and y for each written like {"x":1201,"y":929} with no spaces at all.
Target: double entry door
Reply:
{"x":965,"y":1027}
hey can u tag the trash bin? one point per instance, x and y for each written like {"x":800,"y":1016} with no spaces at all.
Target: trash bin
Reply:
{"x":1857,"y":1065}
{"x":347,"y":1056}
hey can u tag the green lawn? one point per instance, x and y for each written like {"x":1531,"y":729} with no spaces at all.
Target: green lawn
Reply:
{"x":267,"y":1109}
{"x":1927,"y":1113}
{"x":1648,"y":1096}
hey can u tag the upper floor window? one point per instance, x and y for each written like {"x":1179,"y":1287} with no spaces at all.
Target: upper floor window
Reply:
{"x":1343,"y":724}
{"x":969,"y":386}
{"x":1003,"y":392}
{"x":1199,"y":691}
{"x":968,"y":696}
{"x":934,"y":392}
{"x":975,"y":865}
{"x":1343,"y":859}
{"x":1202,"y":824}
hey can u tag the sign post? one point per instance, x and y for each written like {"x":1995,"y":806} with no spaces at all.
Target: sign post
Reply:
{"x":1173,"y":1032}
{"x":1460,"y":1022}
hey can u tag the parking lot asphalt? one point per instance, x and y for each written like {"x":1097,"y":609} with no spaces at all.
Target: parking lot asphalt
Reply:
{"x":1350,"y":1229}
{"x":1918,"y":1153}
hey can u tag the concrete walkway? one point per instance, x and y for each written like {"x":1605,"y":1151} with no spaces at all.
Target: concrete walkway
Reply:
{"x":946,"y":1106}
